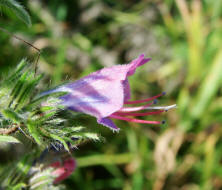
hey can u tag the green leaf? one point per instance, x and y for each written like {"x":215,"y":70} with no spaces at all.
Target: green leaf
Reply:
{"x":10,"y":114}
{"x":17,"y":88}
{"x":45,"y":117}
{"x":27,"y":90}
{"x":8,"y":139}
{"x":34,"y":132}
{"x":18,"y":9}
{"x":92,"y":136}
{"x":17,"y":73}
{"x":73,"y":129}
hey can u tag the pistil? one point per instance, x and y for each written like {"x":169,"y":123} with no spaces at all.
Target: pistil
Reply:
{"x":132,"y":109}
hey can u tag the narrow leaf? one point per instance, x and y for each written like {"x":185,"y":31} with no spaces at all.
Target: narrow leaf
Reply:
{"x":18,"y":9}
{"x":35,"y":133}
{"x":10,"y":114}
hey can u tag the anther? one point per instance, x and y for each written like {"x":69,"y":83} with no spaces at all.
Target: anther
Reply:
{"x":155,"y":101}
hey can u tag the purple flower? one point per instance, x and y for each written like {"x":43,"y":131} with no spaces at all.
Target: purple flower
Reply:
{"x":104,"y":94}
{"x":63,"y":169}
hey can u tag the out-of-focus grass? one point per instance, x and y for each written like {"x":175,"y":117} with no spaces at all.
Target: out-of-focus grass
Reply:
{"x":184,"y":40}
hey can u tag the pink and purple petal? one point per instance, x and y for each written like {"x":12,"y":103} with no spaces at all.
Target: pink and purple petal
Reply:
{"x":99,"y":98}
{"x":126,"y":89}
{"x":108,"y":123}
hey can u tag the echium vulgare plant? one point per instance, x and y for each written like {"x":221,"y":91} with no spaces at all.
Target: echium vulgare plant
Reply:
{"x":45,"y":120}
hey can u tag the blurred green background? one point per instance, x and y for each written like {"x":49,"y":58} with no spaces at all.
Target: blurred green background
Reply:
{"x":184,"y":40}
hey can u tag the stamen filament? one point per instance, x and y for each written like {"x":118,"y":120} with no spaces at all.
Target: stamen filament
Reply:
{"x":134,"y":120}
{"x":145,"y":100}
{"x":138,"y":114}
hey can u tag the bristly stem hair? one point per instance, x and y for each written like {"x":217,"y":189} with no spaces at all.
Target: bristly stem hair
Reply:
{"x":20,"y":39}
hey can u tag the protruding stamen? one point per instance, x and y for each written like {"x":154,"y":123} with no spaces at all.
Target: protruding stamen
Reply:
{"x":165,"y":108}
{"x":138,"y":114}
{"x":134,"y":120}
{"x":145,"y":100}
{"x":132,"y":109}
